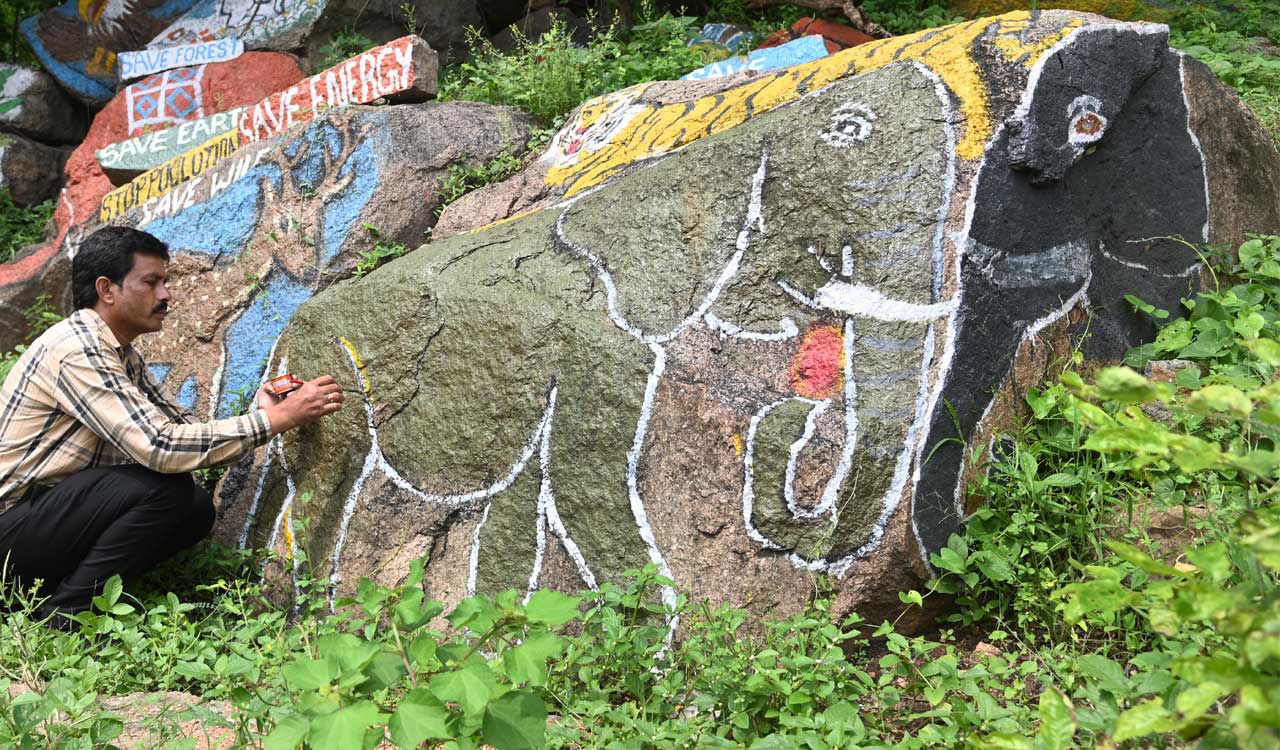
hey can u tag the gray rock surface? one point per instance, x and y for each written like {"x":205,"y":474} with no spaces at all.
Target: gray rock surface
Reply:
{"x":30,"y":171}
{"x":32,"y":104}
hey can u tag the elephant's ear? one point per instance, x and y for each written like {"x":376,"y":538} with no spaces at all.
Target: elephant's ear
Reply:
{"x":1071,"y":99}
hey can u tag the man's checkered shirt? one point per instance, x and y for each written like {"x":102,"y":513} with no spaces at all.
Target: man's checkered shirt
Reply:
{"x":77,"y":399}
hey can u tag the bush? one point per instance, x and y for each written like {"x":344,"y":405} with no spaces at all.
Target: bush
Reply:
{"x":20,"y":226}
{"x":550,"y":76}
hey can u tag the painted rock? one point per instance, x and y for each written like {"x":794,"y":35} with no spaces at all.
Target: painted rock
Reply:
{"x":403,"y":70}
{"x":835,"y":36}
{"x":77,"y":41}
{"x":742,"y":344}
{"x":30,"y":171}
{"x":32,"y":104}
{"x":258,"y":234}
{"x":164,"y":100}
{"x":309,"y":25}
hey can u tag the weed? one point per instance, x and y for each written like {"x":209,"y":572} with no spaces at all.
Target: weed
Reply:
{"x":462,"y":179}
{"x":19,"y":226}
{"x":550,"y":76}
{"x":381,"y":253}
{"x":345,"y":44}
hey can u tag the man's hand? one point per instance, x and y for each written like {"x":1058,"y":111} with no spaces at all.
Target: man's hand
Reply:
{"x":315,"y":399}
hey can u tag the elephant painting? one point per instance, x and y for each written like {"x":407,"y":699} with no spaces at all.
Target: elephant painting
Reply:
{"x":807,"y":298}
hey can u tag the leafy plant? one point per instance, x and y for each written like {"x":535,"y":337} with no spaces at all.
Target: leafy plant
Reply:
{"x":39,"y":316}
{"x":549,"y":76}
{"x":345,"y":43}
{"x":462,"y":179}
{"x":20,"y":226}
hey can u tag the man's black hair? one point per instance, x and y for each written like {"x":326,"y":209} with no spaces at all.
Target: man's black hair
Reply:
{"x":109,"y":252}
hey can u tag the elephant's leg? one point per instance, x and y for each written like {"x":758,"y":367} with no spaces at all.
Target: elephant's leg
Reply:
{"x":606,"y":386}
{"x":992,"y":322}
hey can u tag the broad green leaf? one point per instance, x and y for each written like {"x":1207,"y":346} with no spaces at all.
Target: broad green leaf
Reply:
{"x":1060,"y":479}
{"x":1138,"y":356}
{"x":1249,"y":326}
{"x":527,"y":663}
{"x":349,"y":651}
{"x":1261,"y":530}
{"x":419,"y":717}
{"x":1106,"y":673}
{"x":288,"y":734}
{"x":1222,"y":398}
{"x":470,"y":687}
{"x":1057,"y":721}
{"x":1149,"y":717}
{"x":1193,"y":701}
{"x":422,"y":652}
{"x":386,"y":669}
{"x":515,"y":721}
{"x":1207,"y":345}
{"x":1006,"y":741}
{"x":993,"y":566}
{"x":1125,"y":386}
{"x":310,"y":674}
{"x":110,"y":594}
{"x":1142,"y":560}
{"x":474,"y":612}
{"x":1212,"y":559}
{"x":412,"y":612}
{"x":1259,"y":462}
{"x":1252,"y":252}
{"x":551,"y":608}
{"x":345,"y":728}
{"x":1266,"y":350}
{"x":911,"y":597}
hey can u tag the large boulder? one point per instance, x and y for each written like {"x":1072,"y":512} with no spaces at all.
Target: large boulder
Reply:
{"x":30,"y":171}
{"x":166,"y":99}
{"x":400,"y":71}
{"x":32,"y":104}
{"x":761,"y":334}
{"x":258,"y":234}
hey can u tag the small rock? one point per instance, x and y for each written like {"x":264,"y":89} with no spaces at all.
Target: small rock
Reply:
{"x":1166,"y":370}
{"x":986,"y":649}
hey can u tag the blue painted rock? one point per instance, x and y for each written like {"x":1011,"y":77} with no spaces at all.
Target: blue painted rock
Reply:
{"x":754,"y":338}
{"x":263,"y":231}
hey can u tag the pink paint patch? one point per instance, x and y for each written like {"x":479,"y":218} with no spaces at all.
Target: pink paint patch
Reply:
{"x":817,"y":370}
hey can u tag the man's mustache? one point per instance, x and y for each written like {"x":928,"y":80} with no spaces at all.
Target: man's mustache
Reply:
{"x":162,"y":307}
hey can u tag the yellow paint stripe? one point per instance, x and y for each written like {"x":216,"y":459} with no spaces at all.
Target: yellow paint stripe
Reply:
{"x":355,"y":356}
{"x":947,"y":52}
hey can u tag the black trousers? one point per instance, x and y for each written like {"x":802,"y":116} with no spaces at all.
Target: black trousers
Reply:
{"x":97,"y":523}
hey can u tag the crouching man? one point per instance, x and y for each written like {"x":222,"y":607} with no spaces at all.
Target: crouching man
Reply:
{"x":94,"y":462}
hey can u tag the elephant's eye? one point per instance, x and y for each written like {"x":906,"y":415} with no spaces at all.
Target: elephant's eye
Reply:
{"x":1087,"y":123}
{"x":850,"y":125}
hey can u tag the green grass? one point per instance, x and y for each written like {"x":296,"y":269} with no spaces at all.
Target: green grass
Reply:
{"x":1093,"y":635}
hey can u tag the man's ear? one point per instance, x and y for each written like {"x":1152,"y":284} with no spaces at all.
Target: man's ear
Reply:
{"x":106,"y":293}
